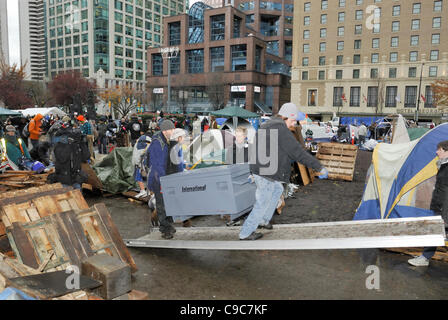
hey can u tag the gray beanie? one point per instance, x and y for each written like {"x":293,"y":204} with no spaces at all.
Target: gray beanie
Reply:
{"x":167,"y":125}
{"x":10,"y":128}
{"x":289,"y":110}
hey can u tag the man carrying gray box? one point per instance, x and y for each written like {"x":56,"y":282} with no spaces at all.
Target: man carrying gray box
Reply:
{"x":270,"y":158}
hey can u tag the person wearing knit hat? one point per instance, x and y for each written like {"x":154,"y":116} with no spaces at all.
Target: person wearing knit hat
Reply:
{"x":269,"y":176}
{"x":176,"y":162}
{"x":156,"y":161}
{"x":10,"y":128}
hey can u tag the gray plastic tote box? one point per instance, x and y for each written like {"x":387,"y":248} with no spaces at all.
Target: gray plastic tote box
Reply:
{"x":221,"y":190}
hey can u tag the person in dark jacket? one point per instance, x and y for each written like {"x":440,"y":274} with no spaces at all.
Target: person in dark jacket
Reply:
{"x":156,"y":159}
{"x":176,"y":160}
{"x":439,"y":201}
{"x":240,"y":149}
{"x":135,"y":128}
{"x":275,"y":147}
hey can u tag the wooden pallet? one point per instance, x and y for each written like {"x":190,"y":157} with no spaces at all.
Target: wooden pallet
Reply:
{"x":14,"y":180}
{"x":58,"y":240}
{"x":33,"y":190}
{"x":339,"y":159}
{"x":440,"y":255}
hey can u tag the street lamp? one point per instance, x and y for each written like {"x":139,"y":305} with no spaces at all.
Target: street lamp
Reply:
{"x":419,"y":94}
{"x":169,"y":53}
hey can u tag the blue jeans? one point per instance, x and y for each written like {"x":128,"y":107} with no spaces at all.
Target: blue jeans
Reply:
{"x":266,"y":199}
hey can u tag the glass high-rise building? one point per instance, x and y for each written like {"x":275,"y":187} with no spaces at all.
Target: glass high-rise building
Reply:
{"x":108,"y":35}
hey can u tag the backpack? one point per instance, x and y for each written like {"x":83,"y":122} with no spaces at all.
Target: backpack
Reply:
{"x":25,"y":131}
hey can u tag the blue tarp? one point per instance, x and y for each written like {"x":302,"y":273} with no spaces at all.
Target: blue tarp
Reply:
{"x":14,"y":294}
{"x":359,"y":120}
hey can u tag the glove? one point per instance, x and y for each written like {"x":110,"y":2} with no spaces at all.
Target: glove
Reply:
{"x":323,"y":174}
{"x":251,"y":179}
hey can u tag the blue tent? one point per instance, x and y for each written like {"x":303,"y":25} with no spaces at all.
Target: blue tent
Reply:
{"x":401,"y":178}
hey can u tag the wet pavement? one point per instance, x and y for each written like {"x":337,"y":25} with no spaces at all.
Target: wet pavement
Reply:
{"x":305,"y":274}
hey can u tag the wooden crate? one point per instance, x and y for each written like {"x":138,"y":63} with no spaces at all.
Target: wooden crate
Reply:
{"x":67,"y":238}
{"x":339,"y":159}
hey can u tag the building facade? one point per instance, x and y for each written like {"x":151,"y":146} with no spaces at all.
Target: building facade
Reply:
{"x":30,"y":40}
{"x":106,"y":40}
{"x":368,"y":57}
{"x":233,"y":55}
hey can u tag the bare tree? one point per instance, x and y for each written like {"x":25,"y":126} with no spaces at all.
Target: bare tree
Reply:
{"x":38,"y":92}
{"x":216,"y":90}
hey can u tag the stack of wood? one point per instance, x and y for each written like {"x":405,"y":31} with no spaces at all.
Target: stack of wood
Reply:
{"x":52,"y":228}
{"x":14,"y":180}
{"x":440,"y":255}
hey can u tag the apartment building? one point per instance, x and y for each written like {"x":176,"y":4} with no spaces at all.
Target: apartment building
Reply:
{"x":28,"y":36}
{"x":368,"y":57}
{"x":106,"y":40}
{"x":244,"y":47}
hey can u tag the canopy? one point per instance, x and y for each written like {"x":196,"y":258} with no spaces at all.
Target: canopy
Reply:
{"x":401,"y":179}
{"x":43,"y":111}
{"x":8,"y":113}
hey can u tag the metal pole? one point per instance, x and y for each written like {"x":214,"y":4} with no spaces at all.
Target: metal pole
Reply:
{"x":169,"y":82}
{"x":419,"y":94}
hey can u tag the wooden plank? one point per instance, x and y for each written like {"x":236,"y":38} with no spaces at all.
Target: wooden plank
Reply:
{"x":304,"y":174}
{"x":115,"y":235}
{"x":78,"y":232}
{"x":65,"y":240}
{"x":24,"y":246}
{"x":2,"y":228}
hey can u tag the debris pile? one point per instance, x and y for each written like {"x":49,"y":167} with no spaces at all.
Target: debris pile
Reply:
{"x":14,"y":180}
{"x":50,"y":230}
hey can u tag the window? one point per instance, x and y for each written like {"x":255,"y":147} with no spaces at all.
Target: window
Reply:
{"x":358,"y":2}
{"x":306,"y":21}
{"x":305,"y":61}
{"x":375,"y":58}
{"x":395,"y":26}
{"x":414,"y":40}
{"x":373,"y":73}
{"x":436,"y":22}
{"x":341,"y":3}
{"x":322,"y":47}
{"x":341,"y":16}
{"x":157,"y":65}
{"x":217,"y":59}
{"x":239,"y":57}
{"x":217,"y":27}
{"x":356,"y":59}
{"x":307,"y":7}
{"x":324,"y":4}
{"x":339,"y":74}
{"x":375,"y":43}
{"x":376,"y":28}
{"x":322,"y":61}
{"x":433,"y":71}
{"x":394,"y":42}
{"x":340,"y":45}
{"x":355,"y":73}
{"x":392,"y":73}
{"x":410,"y":96}
{"x":306,"y":48}
{"x":434,"y":55}
{"x":304,"y":75}
{"x":435,"y":38}
{"x":416,"y":8}
{"x":437,"y":6}
{"x":358,"y":29}
{"x":415,"y":24}
{"x":323,"y":19}
{"x":412,"y":73}
{"x":355,"y":96}
{"x":396,"y":11}
{"x":413,"y":56}
{"x":339,"y":60}
{"x":358,"y":14}
{"x":321,"y":74}
{"x":306,"y":34}
{"x":174,"y":65}
{"x":174,"y":33}
{"x":429,"y":103}
{"x":323,"y":33}
{"x":312,"y":94}
{"x":372,"y":96}
{"x":337,"y":96}
{"x":195,"y":61}
{"x":341,"y":31}
{"x":391,"y":95}
{"x":393,"y":57}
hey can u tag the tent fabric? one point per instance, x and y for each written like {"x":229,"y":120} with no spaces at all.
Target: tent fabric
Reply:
{"x":235,"y":111}
{"x":8,"y":113}
{"x":400,"y":132}
{"x":43,"y":111}
{"x":416,"y":133}
{"x":116,"y":171}
{"x":401,"y":179}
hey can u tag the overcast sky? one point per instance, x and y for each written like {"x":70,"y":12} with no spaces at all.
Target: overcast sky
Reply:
{"x":13,"y":31}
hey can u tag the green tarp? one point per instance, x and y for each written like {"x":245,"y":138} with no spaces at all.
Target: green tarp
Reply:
{"x":8,"y":113}
{"x":116,"y":171}
{"x":416,"y":133}
{"x":235,"y":111}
